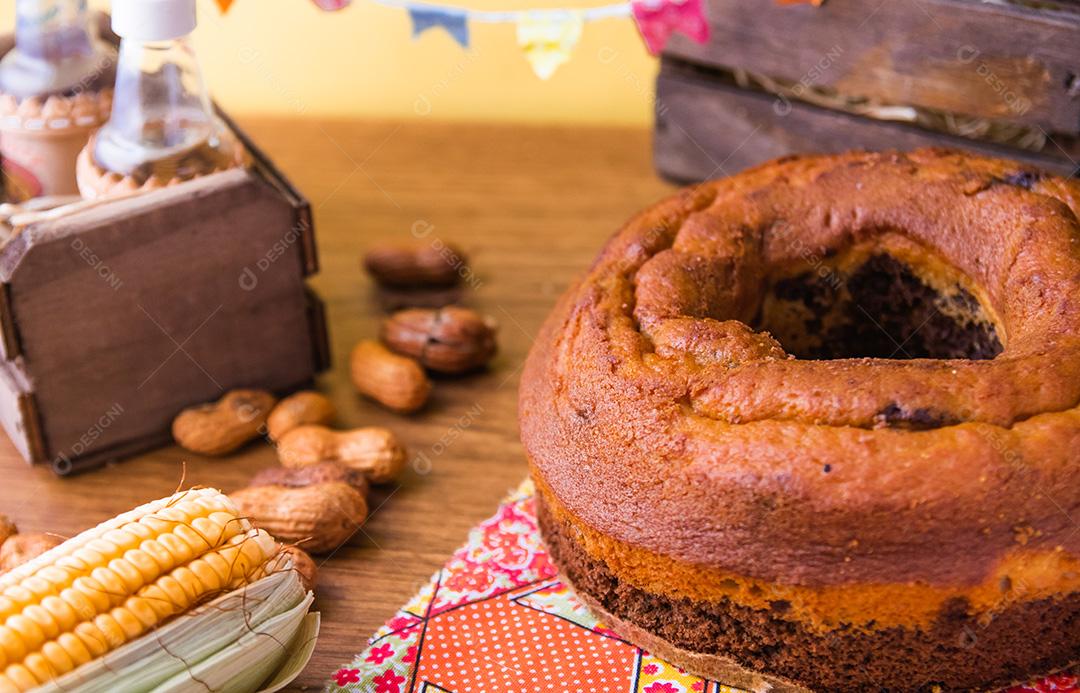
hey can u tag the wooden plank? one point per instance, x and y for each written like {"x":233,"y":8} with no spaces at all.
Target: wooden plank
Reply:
{"x":987,"y":59}
{"x":303,"y":225}
{"x":9,"y":335}
{"x":63,"y":465}
{"x":129,"y":311}
{"x":320,"y":342}
{"x":706,"y":128}
{"x":18,"y":412}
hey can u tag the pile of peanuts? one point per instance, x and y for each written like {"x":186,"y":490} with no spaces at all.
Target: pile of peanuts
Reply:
{"x":317,"y":498}
{"x":444,"y":339}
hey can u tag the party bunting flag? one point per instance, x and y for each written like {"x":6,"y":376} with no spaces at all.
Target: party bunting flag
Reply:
{"x":224,"y":5}
{"x":547,"y":38}
{"x":331,"y":5}
{"x":453,"y":21}
{"x":658,"y":19}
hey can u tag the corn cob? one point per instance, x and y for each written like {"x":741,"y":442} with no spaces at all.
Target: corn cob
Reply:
{"x":119,"y":580}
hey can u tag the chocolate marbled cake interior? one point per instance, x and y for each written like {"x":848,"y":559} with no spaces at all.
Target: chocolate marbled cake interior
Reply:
{"x":879,"y":309}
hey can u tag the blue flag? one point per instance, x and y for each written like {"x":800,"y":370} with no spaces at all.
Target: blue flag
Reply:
{"x":427,"y":17}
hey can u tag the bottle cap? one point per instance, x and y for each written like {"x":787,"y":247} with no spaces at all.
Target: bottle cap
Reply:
{"x":153,"y":20}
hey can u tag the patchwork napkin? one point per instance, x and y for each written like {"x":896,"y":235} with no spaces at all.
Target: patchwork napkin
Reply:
{"x":496,"y":617}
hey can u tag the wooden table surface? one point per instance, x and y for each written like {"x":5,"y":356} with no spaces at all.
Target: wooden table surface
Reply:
{"x":531,"y":206}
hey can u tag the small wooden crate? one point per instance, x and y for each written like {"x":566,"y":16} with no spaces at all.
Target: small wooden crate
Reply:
{"x":774,"y":79}
{"x":114,"y":318}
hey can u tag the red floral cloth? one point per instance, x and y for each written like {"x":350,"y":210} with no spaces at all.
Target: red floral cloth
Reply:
{"x":497,"y":618}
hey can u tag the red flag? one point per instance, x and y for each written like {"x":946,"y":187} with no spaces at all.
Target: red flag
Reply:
{"x":658,"y":19}
{"x":331,"y":5}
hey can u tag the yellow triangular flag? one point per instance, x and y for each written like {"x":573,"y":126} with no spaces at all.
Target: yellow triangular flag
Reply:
{"x":547,"y":38}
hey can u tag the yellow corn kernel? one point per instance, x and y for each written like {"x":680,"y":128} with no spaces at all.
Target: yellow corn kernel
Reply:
{"x":57,"y":657}
{"x":12,"y":646}
{"x":216,"y":528}
{"x":174,"y":590}
{"x":178,"y":549}
{"x":128,"y":574}
{"x":94,"y":592}
{"x":20,"y":677}
{"x":110,"y":582}
{"x":78,"y":603}
{"x":27,"y":631}
{"x":43,"y":619}
{"x":91,"y":639}
{"x":154,"y":549}
{"x":75,"y":648}
{"x":40,"y":668}
{"x":140,"y":561}
{"x":144,"y":613}
{"x":123,"y":624}
{"x":61,"y":612}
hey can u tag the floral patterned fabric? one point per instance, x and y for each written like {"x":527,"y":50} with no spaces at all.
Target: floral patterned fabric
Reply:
{"x":496,"y":618}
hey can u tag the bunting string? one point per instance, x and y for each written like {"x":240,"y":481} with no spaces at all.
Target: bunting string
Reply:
{"x":547,"y":37}
{"x":591,"y":14}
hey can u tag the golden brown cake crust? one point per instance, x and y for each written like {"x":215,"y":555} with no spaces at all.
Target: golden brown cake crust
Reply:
{"x":658,"y":418}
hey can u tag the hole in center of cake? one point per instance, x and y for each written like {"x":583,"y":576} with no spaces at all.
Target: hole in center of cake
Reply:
{"x":880,"y":308}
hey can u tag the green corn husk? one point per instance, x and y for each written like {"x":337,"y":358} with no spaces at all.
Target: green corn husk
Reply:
{"x":261,"y":634}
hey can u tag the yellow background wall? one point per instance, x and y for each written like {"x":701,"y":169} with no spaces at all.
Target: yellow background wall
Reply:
{"x":289,"y":57}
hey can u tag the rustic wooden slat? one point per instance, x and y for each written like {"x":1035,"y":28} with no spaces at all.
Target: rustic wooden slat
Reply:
{"x":98,"y":456}
{"x":995,"y":60}
{"x":18,"y":412}
{"x":706,"y":128}
{"x":302,"y":219}
{"x":320,"y":343}
{"x":9,"y":336}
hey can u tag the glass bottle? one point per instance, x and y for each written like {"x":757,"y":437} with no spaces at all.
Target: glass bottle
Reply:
{"x":55,"y":88}
{"x":162,"y":128}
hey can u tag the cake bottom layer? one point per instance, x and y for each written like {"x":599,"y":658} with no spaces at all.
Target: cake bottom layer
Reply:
{"x":758,"y":649}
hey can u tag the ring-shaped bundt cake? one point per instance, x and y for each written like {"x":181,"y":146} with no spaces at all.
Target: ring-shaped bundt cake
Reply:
{"x":816,"y":427}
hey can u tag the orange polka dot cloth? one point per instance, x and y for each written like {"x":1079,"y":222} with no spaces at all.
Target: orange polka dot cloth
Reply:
{"x":496,"y":618}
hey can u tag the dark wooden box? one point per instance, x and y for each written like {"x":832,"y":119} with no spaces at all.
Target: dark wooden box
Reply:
{"x":116,"y":316}
{"x":996,"y":77}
